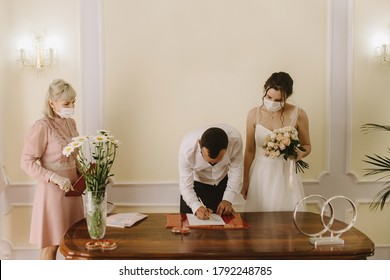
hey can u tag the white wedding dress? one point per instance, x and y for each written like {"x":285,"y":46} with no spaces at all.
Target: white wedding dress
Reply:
{"x":273,"y":184}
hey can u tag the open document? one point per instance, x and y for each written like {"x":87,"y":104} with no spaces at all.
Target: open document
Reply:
{"x":213,"y":221}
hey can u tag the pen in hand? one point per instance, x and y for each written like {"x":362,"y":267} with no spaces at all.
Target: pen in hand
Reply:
{"x":201,"y":202}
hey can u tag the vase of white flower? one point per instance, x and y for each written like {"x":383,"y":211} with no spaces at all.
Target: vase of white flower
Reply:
{"x":95,"y":156}
{"x":96,"y":213}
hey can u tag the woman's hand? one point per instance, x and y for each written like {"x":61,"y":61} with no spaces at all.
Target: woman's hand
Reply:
{"x":62,"y":182}
{"x":299,"y":154}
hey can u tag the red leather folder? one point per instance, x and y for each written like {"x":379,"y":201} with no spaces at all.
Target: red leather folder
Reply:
{"x":78,"y":187}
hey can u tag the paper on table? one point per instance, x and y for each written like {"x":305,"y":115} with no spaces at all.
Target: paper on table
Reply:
{"x":214,"y":220}
{"x":124,"y":219}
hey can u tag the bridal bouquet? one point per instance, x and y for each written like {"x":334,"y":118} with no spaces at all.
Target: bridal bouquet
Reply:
{"x":284,"y":142}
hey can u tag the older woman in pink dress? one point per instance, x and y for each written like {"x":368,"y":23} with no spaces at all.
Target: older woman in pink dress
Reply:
{"x":53,"y":212}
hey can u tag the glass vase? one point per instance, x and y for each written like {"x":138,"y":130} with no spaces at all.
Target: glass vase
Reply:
{"x":96,"y":213}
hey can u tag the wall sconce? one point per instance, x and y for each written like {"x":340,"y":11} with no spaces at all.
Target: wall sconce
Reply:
{"x":383,"y":50}
{"x":383,"y":54}
{"x":38,"y":58}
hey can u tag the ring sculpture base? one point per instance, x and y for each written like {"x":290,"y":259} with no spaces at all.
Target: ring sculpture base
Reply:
{"x":326,"y":241}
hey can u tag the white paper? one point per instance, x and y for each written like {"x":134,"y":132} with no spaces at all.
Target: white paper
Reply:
{"x":124,"y":219}
{"x":214,"y":220}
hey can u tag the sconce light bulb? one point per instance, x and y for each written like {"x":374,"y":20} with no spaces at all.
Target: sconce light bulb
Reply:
{"x":39,"y":58}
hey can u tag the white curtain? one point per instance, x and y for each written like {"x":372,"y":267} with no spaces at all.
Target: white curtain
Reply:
{"x":4,"y":207}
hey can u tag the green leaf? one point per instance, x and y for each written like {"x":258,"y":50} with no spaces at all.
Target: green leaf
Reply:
{"x":371,"y":127}
{"x":300,"y":165}
{"x":381,"y":165}
{"x":381,"y":198}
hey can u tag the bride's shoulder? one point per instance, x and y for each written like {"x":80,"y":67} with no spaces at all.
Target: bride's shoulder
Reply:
{"x":252,"y":114}
{"x":253,"y":111}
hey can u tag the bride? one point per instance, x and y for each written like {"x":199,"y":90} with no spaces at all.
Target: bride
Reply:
{"x":270,"y":184}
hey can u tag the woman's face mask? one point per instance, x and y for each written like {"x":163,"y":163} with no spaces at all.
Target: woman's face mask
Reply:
{"x":64,"y":109}
{"x":272,"y":106}
{"x":66,"y":113}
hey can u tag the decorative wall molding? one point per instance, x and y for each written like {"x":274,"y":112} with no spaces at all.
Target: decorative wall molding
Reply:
{"x":92,"y":66}
{"x":350,"y":91}
{"x":138,"y":194}
{"x":336,"y":179}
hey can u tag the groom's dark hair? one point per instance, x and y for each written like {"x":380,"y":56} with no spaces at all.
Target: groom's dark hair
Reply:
{"x":214,"y":139}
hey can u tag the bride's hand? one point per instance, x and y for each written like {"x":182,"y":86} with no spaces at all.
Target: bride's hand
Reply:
{"x":299,"y":154}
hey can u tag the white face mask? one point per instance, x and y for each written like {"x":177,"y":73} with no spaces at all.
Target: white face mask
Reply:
{"x":66,"y":113}
{"x":272,"y":106}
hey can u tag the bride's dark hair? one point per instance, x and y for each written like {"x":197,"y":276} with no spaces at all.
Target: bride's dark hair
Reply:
{"x":282,"y":82}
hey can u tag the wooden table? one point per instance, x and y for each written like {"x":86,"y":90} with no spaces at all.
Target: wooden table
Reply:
{"x":272,"y":235}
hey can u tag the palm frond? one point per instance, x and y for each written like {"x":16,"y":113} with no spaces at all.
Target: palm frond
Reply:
{"x":382,"y":165}
{"x":378,"y":160}
{"x":381,"y":198}
{"x":371,"y":127}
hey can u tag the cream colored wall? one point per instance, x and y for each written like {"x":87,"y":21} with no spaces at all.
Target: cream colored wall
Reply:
{"x":22,"y":94}
{"x":24,"y":91}
{"x":173,"y":66}
{"x":370,"y":95}
{"x":3,"y":58}
{"x":162,"y":59}
{"x":370,"y":82}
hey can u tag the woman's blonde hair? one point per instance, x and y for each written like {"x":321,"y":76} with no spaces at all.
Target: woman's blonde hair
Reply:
{"x":59,"y":90}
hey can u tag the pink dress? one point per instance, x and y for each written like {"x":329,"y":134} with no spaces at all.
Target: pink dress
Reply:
{"x":53,"y":213}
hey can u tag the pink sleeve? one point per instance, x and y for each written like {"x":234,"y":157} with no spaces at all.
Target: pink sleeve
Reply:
{"x":34,"y":147}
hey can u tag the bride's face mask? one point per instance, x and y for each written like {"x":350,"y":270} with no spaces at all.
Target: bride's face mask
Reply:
{"x":269,"y":102}
{"x":272,"y":106}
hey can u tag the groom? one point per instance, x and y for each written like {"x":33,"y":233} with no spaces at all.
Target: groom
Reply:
{"x":210,"y":169}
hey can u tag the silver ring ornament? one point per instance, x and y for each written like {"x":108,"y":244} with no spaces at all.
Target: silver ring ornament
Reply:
{"x":316,"y":238}
{"x":349,"y":226}
{"x":325,"y":228}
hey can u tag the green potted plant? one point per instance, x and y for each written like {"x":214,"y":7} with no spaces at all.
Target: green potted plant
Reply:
{"x":380,"y":165}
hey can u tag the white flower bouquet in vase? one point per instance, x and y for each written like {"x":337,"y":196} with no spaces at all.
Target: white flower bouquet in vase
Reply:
{"x":95,"y":155}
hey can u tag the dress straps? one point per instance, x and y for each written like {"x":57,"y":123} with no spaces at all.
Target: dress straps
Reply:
{"x":258,"y":114}
{"x":294,"y":116}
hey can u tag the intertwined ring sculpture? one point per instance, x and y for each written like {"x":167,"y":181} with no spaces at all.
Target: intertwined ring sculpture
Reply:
{"x":317,"y":238}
